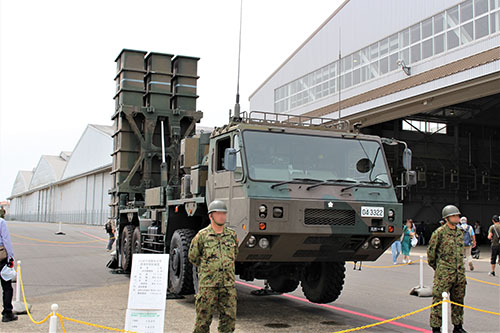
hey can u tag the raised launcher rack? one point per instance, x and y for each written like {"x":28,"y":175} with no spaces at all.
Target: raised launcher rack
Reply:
{"x":287,"y":120}
{"x":148,"y":128}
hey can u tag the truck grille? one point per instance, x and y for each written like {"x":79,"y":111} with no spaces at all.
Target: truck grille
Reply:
{"x":330,"y":217}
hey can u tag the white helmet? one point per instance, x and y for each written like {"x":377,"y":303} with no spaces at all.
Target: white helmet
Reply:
{"x":463,"y":220}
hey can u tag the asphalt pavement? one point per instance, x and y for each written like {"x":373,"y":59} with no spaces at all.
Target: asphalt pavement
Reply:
{"x":70,"y":270}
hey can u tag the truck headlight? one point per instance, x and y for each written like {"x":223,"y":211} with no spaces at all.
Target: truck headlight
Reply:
{"x":391,"y":214}
{"x":277,"y":212}
{"x":252,"y":241}
{"x":376,"y":242}
{"x":262,"y":211}
{"x":264,"y":243}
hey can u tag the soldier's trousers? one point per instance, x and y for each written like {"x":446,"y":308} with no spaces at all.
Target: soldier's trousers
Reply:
{"x":454,"y":285}
{"x":208,"y":301}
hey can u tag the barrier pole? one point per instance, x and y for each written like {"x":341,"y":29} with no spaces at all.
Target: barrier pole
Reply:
{"x":421,"y":271}
{"x":60,"y":232}
{"x":444,"y":314}
{"x":18,"y":285}
{"x":53,"y":319}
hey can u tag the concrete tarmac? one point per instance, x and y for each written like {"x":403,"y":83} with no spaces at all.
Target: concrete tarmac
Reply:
{"x":70,"y":270}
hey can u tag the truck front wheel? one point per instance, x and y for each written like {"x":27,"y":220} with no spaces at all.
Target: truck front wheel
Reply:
{"x":181,"y":271}
{"x":323,"y":281}
{"x":126,"y":247}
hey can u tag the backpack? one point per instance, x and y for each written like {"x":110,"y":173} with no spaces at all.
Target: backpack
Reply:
{"x":467,"y":236}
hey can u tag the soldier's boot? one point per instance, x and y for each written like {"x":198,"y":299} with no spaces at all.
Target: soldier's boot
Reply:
{"x":459,"y":329}
{"x":8,"y":316}
{"x":436,"y":330}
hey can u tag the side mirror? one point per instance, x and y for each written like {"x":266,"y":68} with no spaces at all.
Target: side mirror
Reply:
{"x":411,"y":178}
{"x":230,"y":159}
{"x":407,"y":155}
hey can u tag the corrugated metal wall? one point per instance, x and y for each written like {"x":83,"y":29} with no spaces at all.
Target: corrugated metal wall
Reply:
{"x":84,"y":200}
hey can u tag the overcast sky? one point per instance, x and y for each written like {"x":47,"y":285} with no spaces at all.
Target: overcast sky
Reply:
{"x":57,"y":61}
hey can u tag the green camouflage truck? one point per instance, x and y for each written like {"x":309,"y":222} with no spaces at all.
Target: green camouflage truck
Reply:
{"x":304,"y":194}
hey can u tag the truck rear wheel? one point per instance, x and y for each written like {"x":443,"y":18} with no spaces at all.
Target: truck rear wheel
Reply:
{"x":282,"y":284}
{"x":181,"y":270}
{"x":323,"y":281}
{"x":126,"y":247}
{"x":136,"y":241}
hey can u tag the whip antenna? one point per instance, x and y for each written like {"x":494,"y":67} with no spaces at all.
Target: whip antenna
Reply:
{"x":237,"y":105}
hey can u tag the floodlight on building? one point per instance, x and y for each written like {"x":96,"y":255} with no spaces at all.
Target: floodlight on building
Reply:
{"x":406,"y":69}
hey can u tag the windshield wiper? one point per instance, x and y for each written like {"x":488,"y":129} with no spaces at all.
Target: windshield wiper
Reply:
{"x":330,"y":181}
{"x":294,"y":180}
{"x":363,"y":182}
{"x":375,"y":181}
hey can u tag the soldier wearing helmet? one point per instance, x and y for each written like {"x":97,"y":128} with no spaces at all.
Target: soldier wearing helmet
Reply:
{"x":445,"y":255}
{"x":213,"y":251}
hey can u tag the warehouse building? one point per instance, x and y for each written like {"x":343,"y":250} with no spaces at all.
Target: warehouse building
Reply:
{"x":71,"y":187}
{"x":426,"y":72}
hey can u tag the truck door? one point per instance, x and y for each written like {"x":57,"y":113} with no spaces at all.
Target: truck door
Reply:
{"x":237,"y":199}
{"x":225,"y":185}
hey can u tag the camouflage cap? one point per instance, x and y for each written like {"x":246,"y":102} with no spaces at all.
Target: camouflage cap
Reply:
{"x":450,"y":210}
{"x":217,"y":206}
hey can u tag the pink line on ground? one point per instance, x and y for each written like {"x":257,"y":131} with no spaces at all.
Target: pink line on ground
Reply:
{"x":83,"y":232}
{"x":414,"y":328}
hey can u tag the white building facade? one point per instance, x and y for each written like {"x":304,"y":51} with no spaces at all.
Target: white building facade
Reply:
{"x":72,"y":187}
{"x":371,"y":37}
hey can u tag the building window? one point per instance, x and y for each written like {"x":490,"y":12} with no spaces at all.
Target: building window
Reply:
{"x":481,"y":27}
{"x":415,"y":33}
{"x":424,"y":126}
{"x":453,"y":40}
{"x":415,"y":53}
{"x":466,"y":33}
{"x":452,"y":17}
{"x":427,"y":28}
{"x":427,"y":48}
{"x":495,"y":22}
{"x":466,"y":11}
{"x":480,"y":7}
{"x":384,"y":65}
{"x":439,"y":44}
{"x":439,"y":23}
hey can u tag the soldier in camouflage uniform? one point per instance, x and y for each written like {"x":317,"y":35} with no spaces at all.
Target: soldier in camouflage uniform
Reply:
{"x":445,"y":254}
{"x":213,"y":251}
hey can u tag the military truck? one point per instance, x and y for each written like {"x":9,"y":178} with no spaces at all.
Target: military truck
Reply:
{"x":304,"y":194}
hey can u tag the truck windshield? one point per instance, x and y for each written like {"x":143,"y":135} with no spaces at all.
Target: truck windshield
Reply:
{"x":283,"y":157}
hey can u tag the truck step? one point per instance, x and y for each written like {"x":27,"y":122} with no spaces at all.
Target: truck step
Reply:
{"x":151,"y":250}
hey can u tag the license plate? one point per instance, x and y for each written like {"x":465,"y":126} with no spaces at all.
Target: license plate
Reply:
{"x":376,"y":228}
{"x":372,"y":211}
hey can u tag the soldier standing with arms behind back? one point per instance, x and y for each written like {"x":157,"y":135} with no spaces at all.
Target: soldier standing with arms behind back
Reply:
{"x":213,"y":251}
{"x":445,"y":254}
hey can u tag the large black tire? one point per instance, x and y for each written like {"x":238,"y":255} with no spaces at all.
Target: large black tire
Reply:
{"x":180,"y":269}
{"x":323,"y":281}
{"x":282,"y":284}
{"x":136,"y":241}
{"x":126,"y":248}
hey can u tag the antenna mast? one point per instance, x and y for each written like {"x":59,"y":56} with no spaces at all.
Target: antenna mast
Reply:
{"x":237,"y":105}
